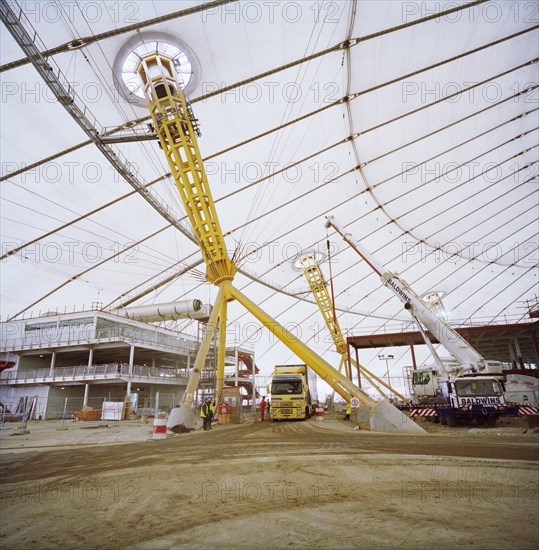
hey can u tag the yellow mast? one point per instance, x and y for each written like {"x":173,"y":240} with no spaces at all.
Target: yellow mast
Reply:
{"x":174,"y":125}
{"x":318,"y":287}
{"x":173,"y":122}
{"x":176,"y":129}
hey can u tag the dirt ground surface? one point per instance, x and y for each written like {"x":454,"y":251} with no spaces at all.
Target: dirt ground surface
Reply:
{"x":316,"y":485}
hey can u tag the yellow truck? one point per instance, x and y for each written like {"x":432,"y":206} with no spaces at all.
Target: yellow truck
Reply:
{"x":293,"y":393}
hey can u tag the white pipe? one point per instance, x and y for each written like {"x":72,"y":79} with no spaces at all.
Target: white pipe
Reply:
{"x":185,"y":309}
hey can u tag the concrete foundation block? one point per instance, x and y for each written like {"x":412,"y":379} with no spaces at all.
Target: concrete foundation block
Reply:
{"x":387,"y":418}
{"x":362,"y":415}
{"x":181,"y":420}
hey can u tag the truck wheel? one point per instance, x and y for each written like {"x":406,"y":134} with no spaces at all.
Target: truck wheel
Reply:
{"x":451,"y":421}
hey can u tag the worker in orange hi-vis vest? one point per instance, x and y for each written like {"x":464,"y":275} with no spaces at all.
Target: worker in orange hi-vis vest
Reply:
{"x":262,"y":408}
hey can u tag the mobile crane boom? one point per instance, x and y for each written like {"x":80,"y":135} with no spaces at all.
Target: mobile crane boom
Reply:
{"x":459,"y":348}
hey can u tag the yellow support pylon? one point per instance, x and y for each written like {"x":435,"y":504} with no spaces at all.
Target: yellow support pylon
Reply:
{"x":173,"y":122}
{"x":318,"y":287}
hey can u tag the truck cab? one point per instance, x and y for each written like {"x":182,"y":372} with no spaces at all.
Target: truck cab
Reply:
{"x":292,"y":392}
{"x":475,"y":392}
{"x":427,"y":385}
{"x":433,"y":387}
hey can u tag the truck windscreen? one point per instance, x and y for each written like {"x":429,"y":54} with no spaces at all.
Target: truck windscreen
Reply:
{"x":477,"y":388}
{"x":286,"y":388}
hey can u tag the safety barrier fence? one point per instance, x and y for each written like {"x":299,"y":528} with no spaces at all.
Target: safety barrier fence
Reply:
{"x":64,"y":408}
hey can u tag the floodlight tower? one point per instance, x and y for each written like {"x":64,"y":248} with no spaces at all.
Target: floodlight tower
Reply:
{"x":177,"y":129}
{"x":318,"y":287}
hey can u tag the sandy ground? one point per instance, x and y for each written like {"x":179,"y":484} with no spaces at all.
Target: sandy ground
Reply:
{"x":271,"y":485}
{"x":51,"y":434}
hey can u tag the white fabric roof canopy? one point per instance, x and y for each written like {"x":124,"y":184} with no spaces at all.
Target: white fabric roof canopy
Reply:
{"x":444,"y":191}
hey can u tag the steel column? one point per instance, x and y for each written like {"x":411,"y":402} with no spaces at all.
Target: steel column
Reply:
{"x":53,"y":362}
{"x":221,"y":349}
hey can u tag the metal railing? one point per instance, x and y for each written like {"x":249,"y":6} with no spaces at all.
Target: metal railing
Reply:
{"x":108,"y":371}
{"x":58,"y":407}
{"x":125,"y":333}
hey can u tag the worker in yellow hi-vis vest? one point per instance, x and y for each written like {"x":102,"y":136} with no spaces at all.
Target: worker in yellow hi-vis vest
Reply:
{"x":348,"y":412}
{"x":206,"y":413}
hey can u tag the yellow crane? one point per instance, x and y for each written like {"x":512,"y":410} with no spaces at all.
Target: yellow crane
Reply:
{"x":176,"y":129}
{"x":319,"y":288}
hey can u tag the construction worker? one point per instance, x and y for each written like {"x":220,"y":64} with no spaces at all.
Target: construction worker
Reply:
{"x":205,"y":414}
{"x":348,"y":412}
{"x":212,"y":412}
{"x":262,"y":408}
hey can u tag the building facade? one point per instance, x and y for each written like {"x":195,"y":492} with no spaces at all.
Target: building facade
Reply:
{"x":56,"y":364}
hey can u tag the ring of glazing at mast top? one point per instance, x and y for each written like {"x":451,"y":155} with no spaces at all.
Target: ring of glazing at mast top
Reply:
{"x":318,"y":256}
{"x":126,"y":79}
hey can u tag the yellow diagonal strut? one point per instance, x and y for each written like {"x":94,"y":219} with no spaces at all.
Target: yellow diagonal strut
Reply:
{"x":320,"y":292}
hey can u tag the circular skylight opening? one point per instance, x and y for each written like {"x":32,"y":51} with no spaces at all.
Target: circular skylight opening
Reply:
{"x":124,"y":69}
{"x":297,"y":261}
